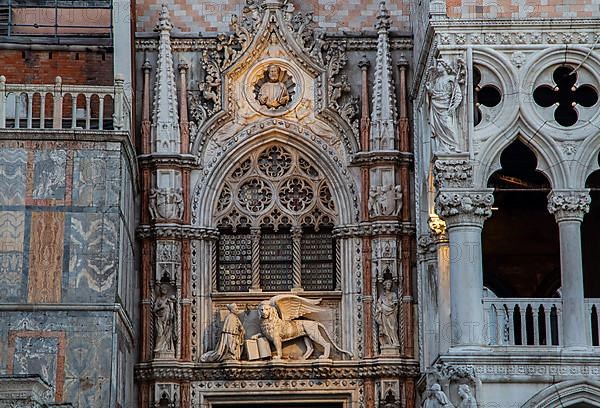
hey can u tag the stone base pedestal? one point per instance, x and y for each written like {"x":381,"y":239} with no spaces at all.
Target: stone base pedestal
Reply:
{"x":164,"y":355}
{"x":390,"y":351}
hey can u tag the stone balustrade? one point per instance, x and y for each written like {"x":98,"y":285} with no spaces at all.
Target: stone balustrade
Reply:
{"x":533,"y":321}
{"x":59,"y":106}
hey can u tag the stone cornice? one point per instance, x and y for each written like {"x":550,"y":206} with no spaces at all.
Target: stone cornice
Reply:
{"x":381,"y":157}
{"x":523,"y":364}
{"x":354,"y":42}
{"x":460,"y":207}
{"x":187,"y":161}
{"x":569,"y":205}
{"x":176,"y":231}
{"x":373,"y":228}
{"x":314,"y":369}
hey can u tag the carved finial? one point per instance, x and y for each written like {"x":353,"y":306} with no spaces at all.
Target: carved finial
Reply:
{"x":165,"y":118}
{"x":164,"y":21}
{"x":383,"y":18}
{"x":384,"y":116}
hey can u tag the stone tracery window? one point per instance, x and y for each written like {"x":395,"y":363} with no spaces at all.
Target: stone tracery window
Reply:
{"x":275,"y":214}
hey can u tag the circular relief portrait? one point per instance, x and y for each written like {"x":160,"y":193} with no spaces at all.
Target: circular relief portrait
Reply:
{"x":272,"y":89}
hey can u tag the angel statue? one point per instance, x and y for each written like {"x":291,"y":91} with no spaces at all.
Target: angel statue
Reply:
{"x":279,"y":322}
{"x":466,"y":396}
{"x":444,"y":91}
{"x":436,"y":398}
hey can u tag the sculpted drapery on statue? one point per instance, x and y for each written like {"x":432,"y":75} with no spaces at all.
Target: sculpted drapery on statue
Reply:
{"x":386,"y":316}
{"x":466,"y":396}
{"x":445,"y":94}
{"x":273,"y":94}
{"x":164,"y":321}
{"x":436,"y":398}
{"x":230,"y":343}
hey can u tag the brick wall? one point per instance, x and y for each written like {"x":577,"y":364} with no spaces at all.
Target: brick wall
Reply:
{"x":42,"y":67}
{"x":214,"y":15}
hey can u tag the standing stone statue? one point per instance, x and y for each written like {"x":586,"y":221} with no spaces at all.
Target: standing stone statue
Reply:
{"x":230,"y":344}
{"x":466,"y":396}
{"x":386,"y":316}
{"x":273,"y":94}
{"x":164,"y":322}
{"x":444,"y":90}
{"x":436,"y":398}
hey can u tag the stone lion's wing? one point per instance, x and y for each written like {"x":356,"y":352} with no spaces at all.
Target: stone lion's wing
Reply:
{"x":291,"y":306}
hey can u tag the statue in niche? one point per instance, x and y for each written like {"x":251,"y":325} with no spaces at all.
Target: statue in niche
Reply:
{"x":386,"y":316}
{"x":230,"y":344}
{"x":279,"y":322}
{"x":436,"y":398}
{"x":444,"y":91}
{"x":273,"y":93}
{"x":466,"y":396}
{"x":164,"y":321}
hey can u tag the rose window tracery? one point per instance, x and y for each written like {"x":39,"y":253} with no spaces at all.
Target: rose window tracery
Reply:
{"x":275,"y":213}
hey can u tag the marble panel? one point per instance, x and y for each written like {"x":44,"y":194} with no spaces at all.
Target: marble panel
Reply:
{"x":11,"y":255}
{"x":96,"y":177}
{"x":13,"y":173}
{"x":49,"y":174}
{"x":46,"y":257}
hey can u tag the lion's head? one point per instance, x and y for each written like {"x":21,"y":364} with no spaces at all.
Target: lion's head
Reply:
{"x":265,"y":309}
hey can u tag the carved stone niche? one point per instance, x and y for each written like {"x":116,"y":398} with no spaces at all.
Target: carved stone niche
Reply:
{"x":385,"y":196}
{"x":166,"y":396}
{"x":389,"y":394}
{"x":385,"y":259}
{"x":165,"y":199}
{"x":165,"y":312}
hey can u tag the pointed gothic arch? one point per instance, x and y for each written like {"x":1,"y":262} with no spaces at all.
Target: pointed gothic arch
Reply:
{"x":583,"y":393}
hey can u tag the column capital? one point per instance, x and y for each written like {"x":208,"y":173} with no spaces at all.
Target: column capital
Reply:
{"x":464,"y":207}
{"x":569,"y":205}
{"x":453,"y":172}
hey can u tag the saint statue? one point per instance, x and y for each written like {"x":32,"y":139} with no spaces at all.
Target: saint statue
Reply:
{"x":436,"y":398}
{"x":386,"y":316}
{"x":444,"y":96}
{"x":273,"y":94}
{"x":229,"y":346}
{"x":164,"y":321}
{"x":466,"y":396}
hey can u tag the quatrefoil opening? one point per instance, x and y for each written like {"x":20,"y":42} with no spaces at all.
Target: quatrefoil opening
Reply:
{"x":566,"y":95}
{"x":486,"y":95}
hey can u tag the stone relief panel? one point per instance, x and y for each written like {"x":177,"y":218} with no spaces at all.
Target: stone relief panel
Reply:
{"x":13,"y":171}
{"x":49,"y":174}
{"x":166,"y":197}
{"x":385,"y":196}
{"x":93,"y":256}
{"x":274,"y":329}
{"x":12,"y":233}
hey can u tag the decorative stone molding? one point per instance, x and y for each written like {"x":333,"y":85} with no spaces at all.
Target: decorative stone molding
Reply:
{"x":372,"y":229}
{"x":437,"y":226}
{"x":274,"y":371}
{"x":569,"y":205}
{"x":175,"y":231}
{"x":452,"y":173}
{"x":464,"y":206}
{"x":184,"y":161}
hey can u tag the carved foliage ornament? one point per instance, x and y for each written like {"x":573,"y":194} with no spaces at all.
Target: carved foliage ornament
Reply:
{"x":452,"y":173}
{"x":469,"y":205}
{"x":569,"y":204}
{"x":275,"y":187}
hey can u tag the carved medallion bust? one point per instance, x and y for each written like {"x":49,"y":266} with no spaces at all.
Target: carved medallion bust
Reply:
{"x":275,"y":89}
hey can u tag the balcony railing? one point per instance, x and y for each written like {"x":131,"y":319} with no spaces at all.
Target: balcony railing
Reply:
{"x":533,"y":322}
{"x":58,"y":106}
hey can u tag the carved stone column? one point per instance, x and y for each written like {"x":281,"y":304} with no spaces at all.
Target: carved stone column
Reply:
{"x":296,"y":259}
{"x":438,"y":230}
{"x":465,"y":212}
{"x":255,"y":261}
{"x":569,"y":207}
